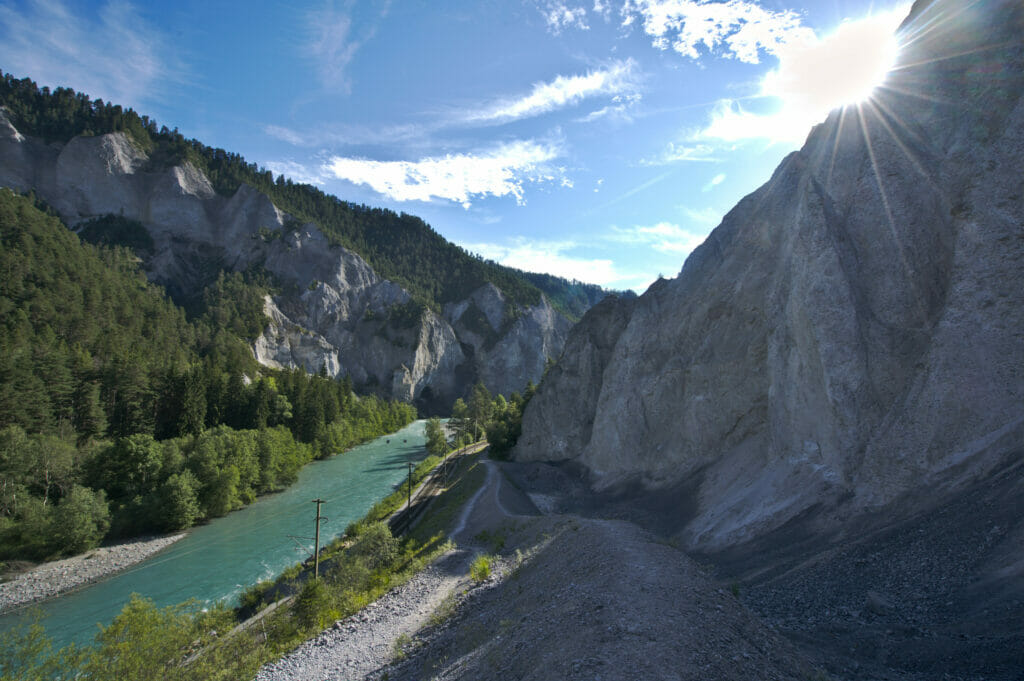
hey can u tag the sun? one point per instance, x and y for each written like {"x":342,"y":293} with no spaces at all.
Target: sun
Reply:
{"x":842,"y":68}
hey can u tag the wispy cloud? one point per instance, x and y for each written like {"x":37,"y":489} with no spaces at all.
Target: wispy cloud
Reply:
{"x":113,"y":54}
{"x":676,"y":152}
{"x":559,"y":16}
{"x":564,"y":91}
{"x":734,"y":28}
{"x":333,"y":41}
{"x":665,"y":237}
{"x":501,"y":171}
{"x":553,"y":257}
{"x":704,"y":218}
{"x":713,"y":182}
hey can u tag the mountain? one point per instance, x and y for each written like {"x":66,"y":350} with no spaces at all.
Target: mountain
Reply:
{"x":827,"y":403}
{"x":347,"y":289}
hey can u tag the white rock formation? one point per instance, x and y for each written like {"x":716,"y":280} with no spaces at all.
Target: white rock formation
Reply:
{"x":335,"y":317}
{"x":850,"y":332}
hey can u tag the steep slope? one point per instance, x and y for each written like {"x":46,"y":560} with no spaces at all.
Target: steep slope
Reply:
{"x":333,"y":312}
{"x":852,"y":329}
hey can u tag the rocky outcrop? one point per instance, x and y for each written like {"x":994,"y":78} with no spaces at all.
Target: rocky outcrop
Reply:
{"x":500,"y":337}
{"x":852,"y":329}
{"x":334,"y":314}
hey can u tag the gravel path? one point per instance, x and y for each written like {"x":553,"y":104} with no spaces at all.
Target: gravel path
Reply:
{"x":59,"y":576}
{"x":362,"y":644}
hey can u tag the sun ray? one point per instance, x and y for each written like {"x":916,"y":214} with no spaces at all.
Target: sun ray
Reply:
{"x":881,"y":114}
{"x":901,"y":253}
{"x":835,"y":144}
{"x":904,"y":66}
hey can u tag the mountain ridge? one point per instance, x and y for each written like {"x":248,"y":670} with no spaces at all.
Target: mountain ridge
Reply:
{"x":846,"y":334}
{"x":330,"y":310}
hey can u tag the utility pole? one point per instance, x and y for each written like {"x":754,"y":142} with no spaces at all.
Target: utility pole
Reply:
{"x":316,"y":539}
{"x":409,"y":502}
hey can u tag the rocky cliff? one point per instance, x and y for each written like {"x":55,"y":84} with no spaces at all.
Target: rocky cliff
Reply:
{"x":335,"y":313}
{"x":852,"y":331}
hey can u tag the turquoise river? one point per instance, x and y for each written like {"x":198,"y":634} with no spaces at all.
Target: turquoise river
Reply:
{"x":220,"y":559}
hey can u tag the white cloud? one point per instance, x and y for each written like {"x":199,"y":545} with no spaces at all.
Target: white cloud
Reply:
{"x":665,"y":237}
{"x":501,"y":171}
{"x":734,"y":28}
{"x":560,"y":16}
{"x":115,"y":55}
{"x":713,"y":182}
{"x":552,"y":257}
{"x":814,"y":76}
{"x":562,"y":92}
{"x":297,"y":172}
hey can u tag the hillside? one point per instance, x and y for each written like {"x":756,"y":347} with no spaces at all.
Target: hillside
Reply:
{"x":400,"y":247}
{"x":119,"y":416}
{"x":321,"y":284}
{"x":837,"y":366}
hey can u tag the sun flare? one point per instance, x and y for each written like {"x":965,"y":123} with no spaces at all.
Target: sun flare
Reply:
{"x":816,"y":75}
{"x":842,"y":68}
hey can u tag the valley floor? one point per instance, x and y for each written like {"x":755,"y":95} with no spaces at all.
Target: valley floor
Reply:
{"x":60,"y":576}
{"x":568,"y":598}
{"x":582,"y":597}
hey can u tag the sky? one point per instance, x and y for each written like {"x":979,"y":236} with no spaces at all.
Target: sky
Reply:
{"x":599,"y":140}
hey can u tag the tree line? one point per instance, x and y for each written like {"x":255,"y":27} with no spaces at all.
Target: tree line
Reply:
{"x":120,"y":415}
{"x":483,"y":416}
{"x":399,"y":246}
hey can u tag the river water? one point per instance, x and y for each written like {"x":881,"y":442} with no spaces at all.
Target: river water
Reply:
{"x":219,"y":560}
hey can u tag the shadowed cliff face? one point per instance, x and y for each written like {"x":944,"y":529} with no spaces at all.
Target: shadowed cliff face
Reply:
{"x":335,"y":311}
{"x":851,"y":331}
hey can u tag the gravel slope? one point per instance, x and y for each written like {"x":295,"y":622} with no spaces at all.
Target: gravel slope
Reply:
{"x":569,"y":598}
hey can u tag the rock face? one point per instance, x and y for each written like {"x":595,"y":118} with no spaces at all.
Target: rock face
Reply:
{"x":337,"y":314}
{"x":852,"y":331}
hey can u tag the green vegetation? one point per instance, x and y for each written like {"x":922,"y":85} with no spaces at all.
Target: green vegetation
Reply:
{"x":500,"y":419}
{"x":400,"y":247}
{"x":119,"y":416}
{"x":394,"y":501}
{"x":480,"y":569}
{"x":184,"y":642}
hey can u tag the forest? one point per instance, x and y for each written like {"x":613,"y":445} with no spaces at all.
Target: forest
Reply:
{"x":400,"y":247}
{"x":120,"y":414}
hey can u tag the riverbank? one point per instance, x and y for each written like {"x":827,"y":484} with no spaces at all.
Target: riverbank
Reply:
{"x":60,"y":576}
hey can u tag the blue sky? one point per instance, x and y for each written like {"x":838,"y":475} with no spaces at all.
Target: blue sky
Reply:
{"x":600,"y":140}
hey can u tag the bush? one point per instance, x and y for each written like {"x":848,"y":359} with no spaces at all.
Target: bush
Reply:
{"x":80,"y":520}
{"x":376,"y":545}
{"x":313,"y":605}
{"x":480,"y":570}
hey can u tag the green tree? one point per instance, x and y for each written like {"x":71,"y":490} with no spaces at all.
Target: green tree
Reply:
{"x":80,"y":520}
{"x":193,"y":408}
{"x":89,"y":419}
{"x":437,"y":442}
{"x":179,"y":502}
{"x":480,"y":409}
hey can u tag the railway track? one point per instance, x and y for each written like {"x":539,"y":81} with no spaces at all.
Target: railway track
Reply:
{"x":406,"y":517}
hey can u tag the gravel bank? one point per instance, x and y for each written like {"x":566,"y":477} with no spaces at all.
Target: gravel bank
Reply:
{"x":363,"y":643}
{"x":57,"y":577}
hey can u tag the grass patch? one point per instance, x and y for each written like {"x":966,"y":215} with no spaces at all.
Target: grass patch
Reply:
{"x":480,"y":569}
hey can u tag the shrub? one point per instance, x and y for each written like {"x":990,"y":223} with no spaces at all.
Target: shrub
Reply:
{"x":481,"y":568}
